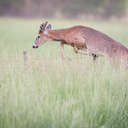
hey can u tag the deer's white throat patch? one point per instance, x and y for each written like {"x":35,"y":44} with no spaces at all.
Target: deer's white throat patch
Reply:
{"x":45,"y":32}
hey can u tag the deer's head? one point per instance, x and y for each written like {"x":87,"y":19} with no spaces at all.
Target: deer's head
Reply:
{"x":42,"y":35}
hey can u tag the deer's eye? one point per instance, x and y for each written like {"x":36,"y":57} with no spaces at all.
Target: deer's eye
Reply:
{"x":40,"y":31}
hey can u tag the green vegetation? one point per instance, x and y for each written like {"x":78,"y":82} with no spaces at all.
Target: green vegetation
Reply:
{"x":46,"y":92}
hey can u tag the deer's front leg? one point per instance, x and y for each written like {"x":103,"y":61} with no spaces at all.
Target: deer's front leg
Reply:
{"x":75,"y":49}
{"x":62,"y":50}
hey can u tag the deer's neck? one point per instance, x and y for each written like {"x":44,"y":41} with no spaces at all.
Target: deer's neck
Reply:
{"x":56,"y":35}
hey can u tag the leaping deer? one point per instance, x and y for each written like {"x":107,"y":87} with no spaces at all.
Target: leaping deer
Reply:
{"x":83,"y":38}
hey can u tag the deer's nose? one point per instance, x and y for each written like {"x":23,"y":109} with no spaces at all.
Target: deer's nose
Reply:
{"x":35,"y":46}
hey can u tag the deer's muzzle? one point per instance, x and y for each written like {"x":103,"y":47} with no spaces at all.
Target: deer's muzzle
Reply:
{"x":35,"y":46}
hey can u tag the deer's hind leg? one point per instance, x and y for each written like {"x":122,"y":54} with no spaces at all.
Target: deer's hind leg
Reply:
{"x":76,"y":50}
{"x":84,"y":53}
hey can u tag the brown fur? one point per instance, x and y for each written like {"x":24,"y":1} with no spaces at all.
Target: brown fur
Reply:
{"x":82,"y":37}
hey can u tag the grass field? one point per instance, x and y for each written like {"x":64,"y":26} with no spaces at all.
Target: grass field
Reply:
{"x":47,"y":92}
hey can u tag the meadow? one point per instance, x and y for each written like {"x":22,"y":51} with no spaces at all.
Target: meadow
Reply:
{"x":46,"y":92}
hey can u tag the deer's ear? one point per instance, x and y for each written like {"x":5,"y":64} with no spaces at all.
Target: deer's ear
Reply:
{"x":45,"y":24}
{"x":49,"y":26}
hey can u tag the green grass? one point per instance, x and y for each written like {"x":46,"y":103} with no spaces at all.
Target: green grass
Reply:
{"x":49,"y":93}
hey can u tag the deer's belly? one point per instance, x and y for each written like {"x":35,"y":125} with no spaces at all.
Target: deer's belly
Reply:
{"x":80,"y":45}
{"x":77,"y":44}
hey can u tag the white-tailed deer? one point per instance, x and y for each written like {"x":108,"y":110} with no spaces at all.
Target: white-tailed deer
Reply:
{"x":83,"y":38}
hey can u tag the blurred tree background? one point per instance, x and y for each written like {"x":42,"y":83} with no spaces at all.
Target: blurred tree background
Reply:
{"x":64,"y":8}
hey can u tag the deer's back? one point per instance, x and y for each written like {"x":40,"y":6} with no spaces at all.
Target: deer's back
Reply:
{"x":97,"y":42}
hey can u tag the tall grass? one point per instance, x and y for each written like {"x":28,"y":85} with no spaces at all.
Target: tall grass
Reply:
{"x":46,"y":92}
